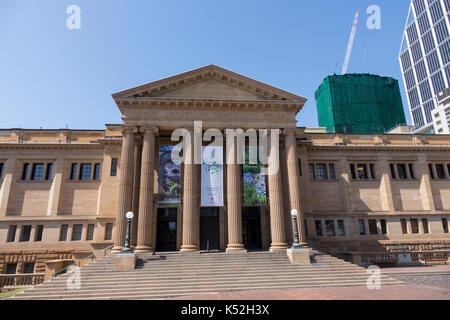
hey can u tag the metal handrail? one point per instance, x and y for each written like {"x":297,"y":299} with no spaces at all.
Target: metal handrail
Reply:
{"x":84,"y":259}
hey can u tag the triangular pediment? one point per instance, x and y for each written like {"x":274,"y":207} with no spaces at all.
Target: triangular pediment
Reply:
{"x":209,"y":83}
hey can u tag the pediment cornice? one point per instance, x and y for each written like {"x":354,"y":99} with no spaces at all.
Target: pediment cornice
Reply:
{"x":155,"y":92}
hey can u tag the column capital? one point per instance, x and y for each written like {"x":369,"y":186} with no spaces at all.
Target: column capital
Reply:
{"x":149,"y":129}
{"x":129,"y":128}
{"x":290,"y":131}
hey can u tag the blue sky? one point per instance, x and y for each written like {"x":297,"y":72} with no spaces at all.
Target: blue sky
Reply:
{"x":51,"y":76}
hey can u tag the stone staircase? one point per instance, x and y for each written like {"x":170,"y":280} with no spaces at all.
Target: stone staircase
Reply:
{"x":170,"y":275}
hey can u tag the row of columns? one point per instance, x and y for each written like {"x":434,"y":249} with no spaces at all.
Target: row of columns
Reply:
{"x":128,"y":191}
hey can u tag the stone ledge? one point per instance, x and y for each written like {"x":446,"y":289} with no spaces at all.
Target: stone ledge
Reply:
{"x":299,"y":256}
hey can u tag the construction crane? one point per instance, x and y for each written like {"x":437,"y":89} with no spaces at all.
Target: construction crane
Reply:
{"x":350,"y":44}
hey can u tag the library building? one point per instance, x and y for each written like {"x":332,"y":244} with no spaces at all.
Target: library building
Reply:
{"x":65,"y":193}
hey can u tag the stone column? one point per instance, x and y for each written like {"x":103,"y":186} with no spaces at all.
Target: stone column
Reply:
{"x":235,"y":241}
{"x":144,"y":232}
{"x":191,"y":214}
{"x":277,"y":222}
{"x":293,"y":179}
{"x":136,"y":188}
{"x":426,"y":192}
{"x":125,"y":187}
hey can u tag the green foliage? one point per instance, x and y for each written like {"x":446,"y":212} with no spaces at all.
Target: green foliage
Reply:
{"x":252,"y":197}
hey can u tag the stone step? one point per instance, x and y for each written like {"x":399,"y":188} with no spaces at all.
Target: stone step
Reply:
{"x":168,"y":275}
{"x":151,"y":294}
{"x":199,"y":271}
{"x":137,"y":284}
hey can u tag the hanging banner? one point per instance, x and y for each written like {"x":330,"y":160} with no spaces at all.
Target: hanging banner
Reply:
{"x":169,"y":177}
{"x":254,"y":182}
{"x":212,"y":177}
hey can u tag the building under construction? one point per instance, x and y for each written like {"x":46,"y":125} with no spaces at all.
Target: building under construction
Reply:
{"x":359,"y":103}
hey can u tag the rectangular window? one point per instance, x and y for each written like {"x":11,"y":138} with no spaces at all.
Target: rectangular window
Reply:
{"x":329,"y":227}
{"x":63,"y":233}
{"x":411,"y":171}
{"x":414,"y":225}
{"x":11,"y":268}
{"x":352,"y":171}
{"x":1,"y":170}
{"x":383,"y":226}
{"x":362,"y":171}
{"x":76,"y":232}
{"x":312,"y":173}
{"x":73,"y":171}
{"x":445,"y":225}
{"x":430,"y":167}
{"x":440,"y":171}
{"x":97,"y":171}
{"x":373,"y":226}
{"x":85,"y":171}
{"x":393,"y":176}
{"x":90,"y":232}
{"x":299,"y":163}
{"x":108,"y":231}
{"x":322,"y":171}
{"x":319,"y":228}
{"x":39,"y":232}
{"x":48,"y":174}
{"x":38,"y":171}
{"x":28,"y":268}
{"x":404,"y":226}
{"x":401,"y":170}
{"x":25,"y":233}
{"x":425,"y":226}
{"x":12,"y":233}
{"x":114,"y":167}
{"x":341,"y":228}
{"x":372,"y":171}
{"x":362,"y":227}
{"x":332,"y":172}
{"x":26,"y":168}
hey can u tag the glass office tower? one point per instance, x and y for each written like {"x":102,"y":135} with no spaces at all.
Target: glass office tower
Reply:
{"x":425,"y":58}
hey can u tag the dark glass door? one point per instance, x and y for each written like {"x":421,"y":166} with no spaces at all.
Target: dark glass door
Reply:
{"x":166,"y":232}
{"x":251,"y":227}
{"x":209,"y":228}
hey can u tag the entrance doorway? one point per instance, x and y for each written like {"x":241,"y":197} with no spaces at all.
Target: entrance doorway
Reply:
{"x":166,"y":232}
{"x":209,"y":229}
{"x":251,"y":228}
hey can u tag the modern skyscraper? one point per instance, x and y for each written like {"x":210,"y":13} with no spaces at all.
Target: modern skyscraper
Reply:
{"x":425,"y":58}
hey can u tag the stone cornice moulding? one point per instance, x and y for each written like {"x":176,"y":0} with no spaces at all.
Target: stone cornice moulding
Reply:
{"x":53,"y":146}
{"x":418,"y":148}
{"x":200,"y":104}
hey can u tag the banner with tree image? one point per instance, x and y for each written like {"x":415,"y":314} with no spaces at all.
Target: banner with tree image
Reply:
{"x":169,"y":178}
{"x":212,"y":177}
{"x":254,"y":181}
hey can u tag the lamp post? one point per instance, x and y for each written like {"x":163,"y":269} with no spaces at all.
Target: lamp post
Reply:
{"x":127,"y":248}
{"x":296,"y":244}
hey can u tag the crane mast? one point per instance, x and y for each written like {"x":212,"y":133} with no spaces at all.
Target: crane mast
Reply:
{"x":350,"y":44}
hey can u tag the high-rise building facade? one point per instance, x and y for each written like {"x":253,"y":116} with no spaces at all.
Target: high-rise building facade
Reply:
{"x":425,"y":58}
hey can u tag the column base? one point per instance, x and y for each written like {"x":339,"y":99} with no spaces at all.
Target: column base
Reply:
{"x":117,"y":249}
{"x":144,"y":249}
{"x":236,"y":249}
{"x":189,"y":250}
{"x":278,"y":247}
